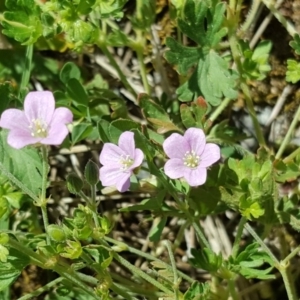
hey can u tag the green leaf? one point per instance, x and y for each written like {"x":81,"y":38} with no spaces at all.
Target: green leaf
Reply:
{"x":6,"y":95}
{"x":206,"y":259}
{"x":158,"y":226}
{"x":212,"y":79}
{"x":22,"y":21}
{"x":77,"y":92}
{"x":295,"y":44}
{"x":4,"y":207}
{"x":80,"y":132}
{"x":182,"y":56}
{"x":68,"y":71}
{"x":156,"y":115}
{"x":293,"y":71}
{"x":117,"y":127}
{"x":198,"y":291}
{"x":111,"y":8}
{"x":203,"y":22}
{"x":103,"y":126}
{"x":21,"y":163}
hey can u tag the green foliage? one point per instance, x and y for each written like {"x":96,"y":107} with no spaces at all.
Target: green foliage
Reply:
{"x":255,"y":63}
{"x":249,"y":260}
{"x":206,"y":260}
{"x":198,"y":291}
{"x":211,"y":77}
{"x":21,"y":162}
{"x":295,"y":44}
{"x":293,"y":71}
{"x":22,"y":21}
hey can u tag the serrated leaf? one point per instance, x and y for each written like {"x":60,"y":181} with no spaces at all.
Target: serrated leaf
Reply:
{"x":198,"y":291}
{"x":22,"y":21}
{"x":293,"y":71}
{"x":212,"y":79}
{"x":25,"y":164}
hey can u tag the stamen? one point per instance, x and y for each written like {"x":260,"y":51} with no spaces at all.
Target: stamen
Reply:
{"x":39,"y":128}
{"x":191,"y":159}
{"x":126,"y":162}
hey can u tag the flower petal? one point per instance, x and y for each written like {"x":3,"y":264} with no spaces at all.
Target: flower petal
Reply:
{"x":18,"y":139}
{"x":57,"y":128}
{"x":14,"y":119}
{"x":113,"y":176}
{"x":210,"y":155}
{"x":175,"y":146}
{"x":126,"y":143}
{"x":196,"y":139}
{"x":138,"y":158}
{"x":195,"y":177}
{"x":39,"y":105}
{"x":174,"y":168}
{"x":123,"y":183}
{"x":110,"y":154}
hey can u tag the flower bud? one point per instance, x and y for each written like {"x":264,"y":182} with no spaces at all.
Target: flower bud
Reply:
{"x":91,"y":173}
{"x":56,"y":233}
{"x":74,"y":183}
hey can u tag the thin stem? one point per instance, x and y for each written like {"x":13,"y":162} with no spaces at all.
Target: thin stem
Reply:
{"x":173,"y":264}
{"x":113,"y":62}
{"x":249,"y":103}
{"x":251,"y":15}
{"x":18,"y":183}
{"x":232,"y":290}
{"x":291,"y":255}
{"x":288,"y":135}
{"x":292,"y":155}
{"x":219,"y":109}
{"x":288,"y":282}
{"x":42,"y":289}
{"x":140,"y":273}
{"x":43,"y":201}
{"x":150,"y":257}
{"x":238,"y":237}
{"x":262,"y":244}
{"x":27,"y":70}
{"x":143,"y":71}
{"x":94,"y":205}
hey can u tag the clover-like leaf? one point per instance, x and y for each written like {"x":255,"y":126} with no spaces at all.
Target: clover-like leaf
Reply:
{"x":293,"y":71}
{"x":295,"y":44}
{"x":22,"y":21}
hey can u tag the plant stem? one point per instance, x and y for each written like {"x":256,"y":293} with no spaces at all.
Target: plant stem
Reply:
{"x":143,"y":71}
{"x":232,"y":290}
{"x":219,"y":109}
{"x":150,"y":257}
{"x":262,"y":244}
{"x":113,"y":62}
{"x":238,"y":237}
{"x":173,"y":264}
{"x":140,"y":273}
{"x":292,"y":155}
{"x":291,"y":255}
{"x":43,"y":201}
{"x":94,"y":205}
{"x":288,"y":135}
{"x":284,"y":270}
{"x":27,"y":70}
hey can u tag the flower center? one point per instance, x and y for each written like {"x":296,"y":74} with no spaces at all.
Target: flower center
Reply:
{"x":126,"y":162}
{"x":191,"y":159}
{"x":39,"y":128}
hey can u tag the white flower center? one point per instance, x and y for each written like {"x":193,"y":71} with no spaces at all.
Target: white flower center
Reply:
{"x":191,"y":159}
{"x":126,"y":162}
{"x":38,"y":128}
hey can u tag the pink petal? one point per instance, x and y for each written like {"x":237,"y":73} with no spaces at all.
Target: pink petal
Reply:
{"x":14,"y":119}
{"x":174,"y":168}
{"x":18,"y":139}
{"x":57,"y":128}
{"x":110,"y":154}
{"x":126,"y":143}
{"x":138,"y":158}
{"x":175,"y":146}
{"x":39,"y":105}
{"x":123,"y":183}
{"x":195,"y":177}
{"x":113,"y":176}
{"x":210,"y":155}
{"x":196,"y":139}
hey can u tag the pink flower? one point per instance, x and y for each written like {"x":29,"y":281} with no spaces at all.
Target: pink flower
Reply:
{"x":189,"y":156}
{"x":119,"y":162}
{"x":40,"y":122}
